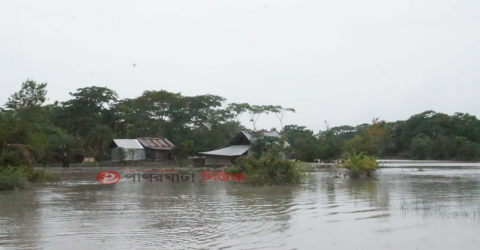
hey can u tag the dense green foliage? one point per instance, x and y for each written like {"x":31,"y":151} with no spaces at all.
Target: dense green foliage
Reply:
{"x":17,"y":177}
{"x":84,"y":125}
{"x":307,"y":146}
{"x":359,"y":164}
{"x":428,"y":135}
{"x":10,"y":180}
{"x":266,"y":164}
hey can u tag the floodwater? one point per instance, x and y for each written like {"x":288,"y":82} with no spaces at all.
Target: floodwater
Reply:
{"x":401,"y":208}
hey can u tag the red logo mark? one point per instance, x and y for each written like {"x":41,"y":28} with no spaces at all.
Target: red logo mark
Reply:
{"x":108,"y":177}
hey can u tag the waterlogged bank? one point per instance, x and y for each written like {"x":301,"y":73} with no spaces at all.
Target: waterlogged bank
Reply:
{"x":401,"y":208}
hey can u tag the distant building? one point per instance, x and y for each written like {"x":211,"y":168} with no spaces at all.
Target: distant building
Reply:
{"x":132,"y":150}
{"x":157,"y":149}
{"x":197,"y":161}
{"x":239,"y":146}
{"x":224,"y":156}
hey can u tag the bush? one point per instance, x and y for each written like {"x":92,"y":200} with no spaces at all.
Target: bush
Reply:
{"x":359,"y":164}
{"x":35,"y":175}
{"x":9,"y":158}
{"x":18,"y":177}
{"x":329,"y":146}
{"x":268,"y":170}
{"x":18,"y":154}
{"x":421,"y":147}
{"x":266,"y":163}
{"x":11,"y":180}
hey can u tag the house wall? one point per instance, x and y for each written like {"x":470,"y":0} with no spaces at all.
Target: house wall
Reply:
{"x":157,"y":154}
{"x":216,"y":160}
{"x":198,"y":162}
{"x":131,"y":154}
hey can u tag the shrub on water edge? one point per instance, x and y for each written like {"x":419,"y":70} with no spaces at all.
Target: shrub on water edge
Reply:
{"x":268,"y":170}
{"x":10,"y":180}
{"x":266,"y":163}
{"x":359,"y":164}
{"x":18,"y":177}
{"x":36,"y":175}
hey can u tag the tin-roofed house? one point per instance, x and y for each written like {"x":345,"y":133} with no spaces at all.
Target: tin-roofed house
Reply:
{"x":239,"y":146}
{"x":157,"y":149}
{"x":245,"y":137}
{"x":132,"y":150}
{"x":224,"y":156}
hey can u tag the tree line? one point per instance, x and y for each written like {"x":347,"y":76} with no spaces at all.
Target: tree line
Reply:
{"x":84,"y":126}
{"x":429,"y":135}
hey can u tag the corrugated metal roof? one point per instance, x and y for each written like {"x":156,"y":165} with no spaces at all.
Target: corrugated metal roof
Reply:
{"x":156,"y":143}
{"x":234,"y":150}
{"x":266,"y":133}
{"x":248,"y":134}
{"x":128,"y":143}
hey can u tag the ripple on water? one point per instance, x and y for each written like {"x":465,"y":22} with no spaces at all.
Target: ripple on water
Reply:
{"x":206,"y":215}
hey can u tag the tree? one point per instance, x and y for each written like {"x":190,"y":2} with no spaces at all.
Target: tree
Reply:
{"x":237,"y":110}
{"x":344,"y":132}
{"x":370,"y":139}
{"x":255,"y":111}
{"x":443,"y":147}
{"x":200,"y":109}
{"x":466,"y":149}
{"x":153,"y":112}
{"x":183,"y":148}
{"x":61,"y":146}
{"x":97,"y":140}
{"x":4,"y":129}
{"x":31,"y":94}
{"x":280,"y":112}
{"x":262,"y":144}
{"x":89,"y":107}
{"x":303,"y":144}
{"x":329,"y":146}
{"x":421,"y":147}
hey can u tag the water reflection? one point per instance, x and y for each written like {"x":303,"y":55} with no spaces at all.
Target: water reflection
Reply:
{"x":22,"y":210}
{"x":396,"y":208}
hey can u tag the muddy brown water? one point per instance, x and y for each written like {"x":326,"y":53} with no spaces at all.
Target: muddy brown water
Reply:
{"x":401,"y":208}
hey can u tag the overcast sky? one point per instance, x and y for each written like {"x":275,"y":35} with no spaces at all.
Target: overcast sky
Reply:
{"x":343,"y":61}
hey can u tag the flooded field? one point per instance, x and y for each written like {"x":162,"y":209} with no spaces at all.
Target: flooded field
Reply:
{"x":403,"y":207}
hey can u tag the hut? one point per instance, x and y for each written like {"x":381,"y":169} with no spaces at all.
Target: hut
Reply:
{"x":239,"y":145}
{"x":246,"y":137}
{"x":224,"y":156}
{"x":129,"y":149}
{"x":197,"y":161}
{"x":157,"y":149}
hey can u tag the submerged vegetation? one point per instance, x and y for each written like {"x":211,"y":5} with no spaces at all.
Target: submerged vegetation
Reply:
{"x":18,"y":177}
{"x":268,"y":170}
{"x":359,"y":164}
{"x":267,"y":164}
